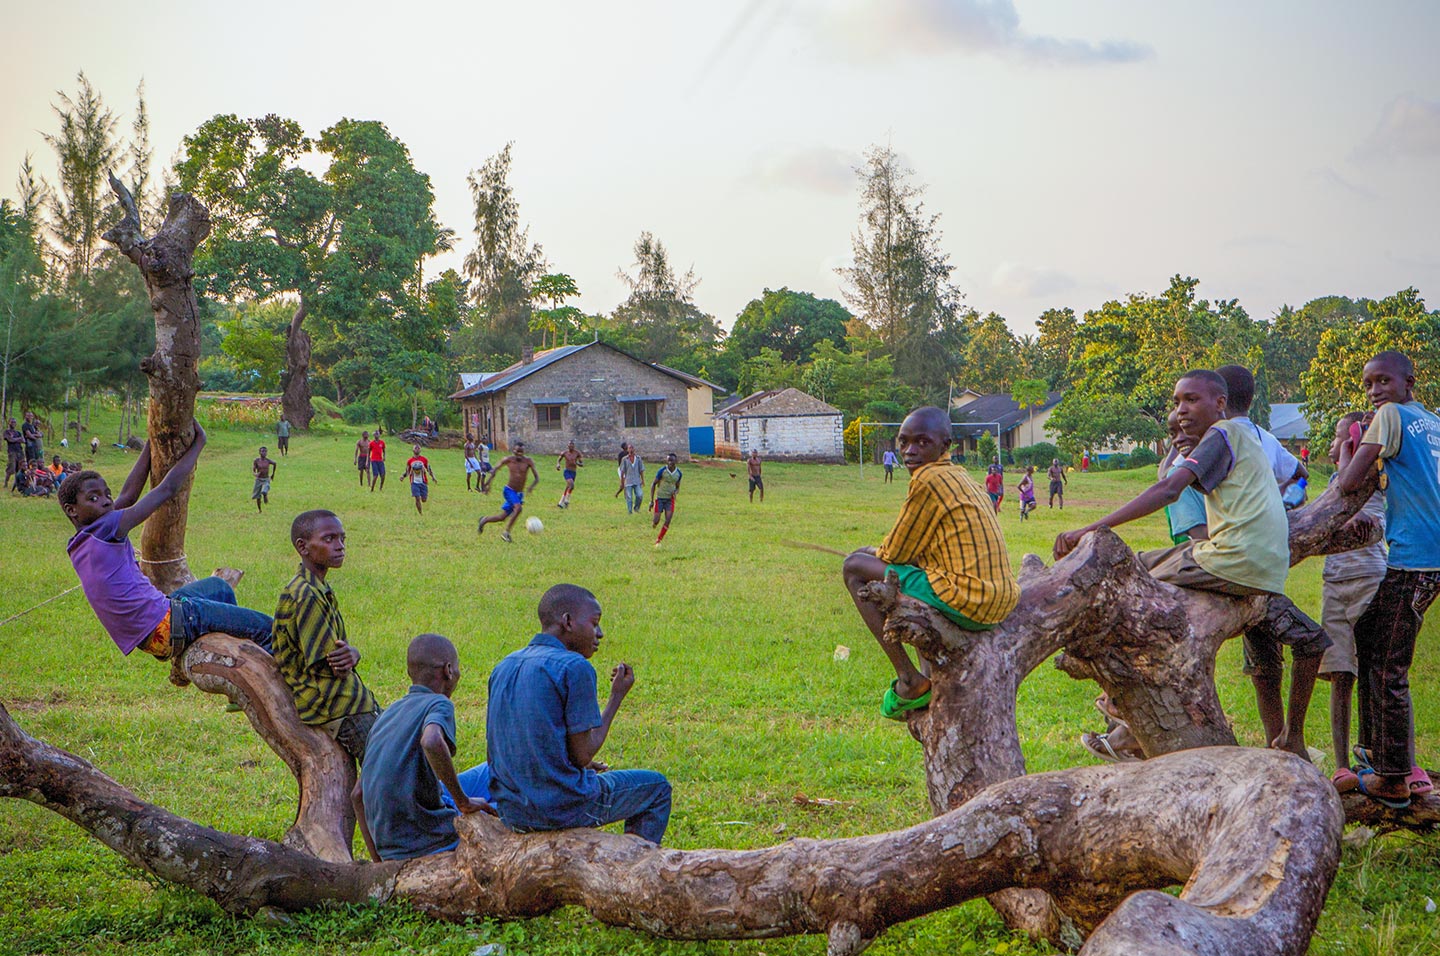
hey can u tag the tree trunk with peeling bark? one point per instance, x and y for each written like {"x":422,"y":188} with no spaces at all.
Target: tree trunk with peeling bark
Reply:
{"x":1252,"y":835}
{"x":295,"y":378}
{"x":166,"y":260}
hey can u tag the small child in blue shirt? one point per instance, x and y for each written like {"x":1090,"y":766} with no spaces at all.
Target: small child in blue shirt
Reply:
{"x":544,"y":728}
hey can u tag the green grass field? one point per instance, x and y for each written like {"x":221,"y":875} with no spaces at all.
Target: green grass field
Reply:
{"x":738,"y":698}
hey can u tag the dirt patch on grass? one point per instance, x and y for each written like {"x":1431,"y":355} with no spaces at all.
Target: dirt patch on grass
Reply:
{"x":35,"y":705}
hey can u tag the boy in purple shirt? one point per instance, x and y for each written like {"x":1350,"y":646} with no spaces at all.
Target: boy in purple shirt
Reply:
{"x":133,"y":611}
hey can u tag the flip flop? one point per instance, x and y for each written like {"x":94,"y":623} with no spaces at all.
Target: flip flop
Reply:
{"x":1361,"y":753}
{"x":894,"y":707}
{"x":1419,"y":782}
{"x":1390,"y":802}
{"x":1109,"y":713}
{"x":1345,"y":780}
{"x":1099,"y":746}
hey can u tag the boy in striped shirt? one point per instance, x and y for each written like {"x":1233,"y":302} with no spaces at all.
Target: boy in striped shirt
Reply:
{"x":946,"y":549}
{"x":310,"y":648}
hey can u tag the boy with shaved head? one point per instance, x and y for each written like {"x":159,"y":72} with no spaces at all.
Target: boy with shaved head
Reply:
{"x":545,"y":727}
{"x":1247,"y":553}
{"x":409,"y":794}
{"x":946,"y":549}
{"x":1404,"y":439}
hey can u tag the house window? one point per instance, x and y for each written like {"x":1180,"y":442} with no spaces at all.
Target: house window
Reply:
{"x":547,"y":417}
{"x":643,"y":414}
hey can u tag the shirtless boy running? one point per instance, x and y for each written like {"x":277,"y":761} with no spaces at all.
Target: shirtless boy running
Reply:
{"x":362,"y":457}
{"x":263,"y":468}
{"x":519,"y":465}
{"x":572,"y":459}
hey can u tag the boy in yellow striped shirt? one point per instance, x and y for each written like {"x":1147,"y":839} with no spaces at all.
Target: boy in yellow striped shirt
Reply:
{"x":946,"y":548}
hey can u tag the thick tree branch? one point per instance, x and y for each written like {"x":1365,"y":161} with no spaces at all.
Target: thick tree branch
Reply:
{"x":1253,"y":835}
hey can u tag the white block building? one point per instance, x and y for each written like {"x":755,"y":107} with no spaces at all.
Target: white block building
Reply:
{"x":786,"y":425}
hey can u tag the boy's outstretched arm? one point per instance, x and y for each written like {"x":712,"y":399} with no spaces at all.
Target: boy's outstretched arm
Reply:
{"x":437,"y":754}
{"x":1164,"y":492}
{"x":585,"y":745}
{"x":173,"y":481}
{"x":135,"y":481}
{"x":1354,"y":466}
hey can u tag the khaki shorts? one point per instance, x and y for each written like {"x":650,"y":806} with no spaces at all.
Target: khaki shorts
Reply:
{"x":1344,"y":602}
{"x":1177,"y":566}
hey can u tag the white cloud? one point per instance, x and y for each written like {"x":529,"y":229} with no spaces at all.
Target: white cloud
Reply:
{"x":1409,"y":126}
{"x":821,"y":169}
{"x":881,"y":29}
{"x":1017,"y":280}
{"x":1330,"y":177}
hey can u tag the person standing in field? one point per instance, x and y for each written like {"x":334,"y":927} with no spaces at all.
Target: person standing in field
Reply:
{"x":282,"y":435}
{"x":632,"y":480}
{"x":1027,"y":493}
{"x":662,"y":493}
{"x":30,"y":431}
{"x":889,"y":460}
{"x":995,"y":486}
{"x":571,"y":459}
{"x":362,"y":456}
{"x":753,"y":465}
{"x":517,"y":464}
{"x":263,"y":469}
{"x":1058,"y":481}
{"x":1403,"y":437}
{"x":418,"y":468}
{"x":946,"y":548}
{"x":377,"y":461}
{"x":472,"y":464}
{"x":14,"y":451}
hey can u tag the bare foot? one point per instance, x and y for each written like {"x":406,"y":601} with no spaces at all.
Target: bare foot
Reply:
{"x":230,"y":576}
{"x":1294,"y":743}
{"x":910,"y":691}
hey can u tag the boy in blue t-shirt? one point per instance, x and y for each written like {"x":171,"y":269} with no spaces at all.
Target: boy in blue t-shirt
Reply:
{"x":545,"y":727}
{"x":409,"y":794}
{"x":1405,"y":439}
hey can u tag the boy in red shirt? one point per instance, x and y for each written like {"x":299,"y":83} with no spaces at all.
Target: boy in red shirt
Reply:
{"x":377,"y":461}
{"x":995,"y":486}
{"x":418,"y":468}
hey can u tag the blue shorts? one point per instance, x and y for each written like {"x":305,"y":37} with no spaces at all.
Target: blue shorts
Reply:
{"x":513,"y":499}
{"x":569,"y":474}
{"x":418,"y":489}
{"x":665,"y":506}
{"x":377,"y":468}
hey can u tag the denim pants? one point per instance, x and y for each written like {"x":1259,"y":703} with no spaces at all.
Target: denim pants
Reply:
{"x":634,"y":497}
{"x":474,"y":783}
{"x":209,"y":605}
{"x":1384,"y":645}
{"x":639,"y":797}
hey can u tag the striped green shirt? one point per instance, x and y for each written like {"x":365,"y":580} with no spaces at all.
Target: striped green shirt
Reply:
{"x":307,"y":625}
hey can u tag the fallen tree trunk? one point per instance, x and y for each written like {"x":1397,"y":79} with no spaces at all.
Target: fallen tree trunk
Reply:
{"x":1252,"y":835}
{"x":166,"y":261}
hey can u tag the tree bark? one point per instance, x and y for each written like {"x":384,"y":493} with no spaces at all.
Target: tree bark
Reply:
{"x":165,"y":260}
{"x":295,"y":379}
{"x":1252,"y":835}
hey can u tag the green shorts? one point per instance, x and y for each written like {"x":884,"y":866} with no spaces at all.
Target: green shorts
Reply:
{"x":914,"y":582}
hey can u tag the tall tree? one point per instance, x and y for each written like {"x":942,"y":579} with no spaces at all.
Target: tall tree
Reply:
{"x":558,"y":320}
{"x":504,"y":264}
{"x":1292,"y":339}
{"x":899,"y":281}
{"x":1055,"y":337}
{"x":1030,"y":394}
{"x":342,"y":245}
{"x":992,"y":356}
{"x":792,"y":323}
{"x":85,"y":149}
{"x":1333,"y":382}
{"x":659,"y":321}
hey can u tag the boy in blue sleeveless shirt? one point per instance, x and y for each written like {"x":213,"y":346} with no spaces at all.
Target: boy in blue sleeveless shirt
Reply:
{"x":1405,"y":439}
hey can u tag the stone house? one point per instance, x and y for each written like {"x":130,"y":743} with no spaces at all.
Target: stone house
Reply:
{"x":785,"y":424}
{"x":593,"y":394}
{"x":701,"y":400}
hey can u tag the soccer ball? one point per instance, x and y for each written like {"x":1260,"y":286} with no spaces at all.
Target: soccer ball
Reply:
{"x":534,"y":526}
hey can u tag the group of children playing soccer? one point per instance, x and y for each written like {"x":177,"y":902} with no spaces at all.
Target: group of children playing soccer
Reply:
{"x":545,"y":727}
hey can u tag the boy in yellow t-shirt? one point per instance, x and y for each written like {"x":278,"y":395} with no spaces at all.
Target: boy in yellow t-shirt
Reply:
{"x":946,"y":548}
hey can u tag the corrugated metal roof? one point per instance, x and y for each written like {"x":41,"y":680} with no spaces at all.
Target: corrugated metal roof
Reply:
{"x":1287,"y":423}
{"x":1001,"y":408}
{"x":520,"y":370}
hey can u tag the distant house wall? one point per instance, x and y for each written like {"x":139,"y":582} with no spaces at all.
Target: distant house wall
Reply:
{"x":784,"y":438}
{"x":592,"y":381}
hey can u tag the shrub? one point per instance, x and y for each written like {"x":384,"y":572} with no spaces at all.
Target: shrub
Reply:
{"x":1039,"y":454}
{"x":325,"y":407}
{"x":358,"y":413}
{"x":1112,"y":463}
{"x":1143,"y":456}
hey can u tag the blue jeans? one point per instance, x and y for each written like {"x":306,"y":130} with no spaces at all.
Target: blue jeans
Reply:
{"x":639,"y":797}
{"x":634,"y":497}
{"x":209,"y":605}
{"x":475,"y":784}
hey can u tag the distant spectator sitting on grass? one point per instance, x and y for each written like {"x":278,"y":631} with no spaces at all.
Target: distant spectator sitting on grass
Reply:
{"x":946,"y":548}
{"x":133,"y":611}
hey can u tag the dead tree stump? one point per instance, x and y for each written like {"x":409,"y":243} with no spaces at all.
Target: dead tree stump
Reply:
{"x":166,"y":261}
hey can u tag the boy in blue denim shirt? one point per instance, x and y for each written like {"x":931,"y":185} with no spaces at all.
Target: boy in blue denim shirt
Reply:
{"x":544,"y":728}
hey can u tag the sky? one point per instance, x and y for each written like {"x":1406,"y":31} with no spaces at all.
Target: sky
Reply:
{"x":1075,"y":152}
